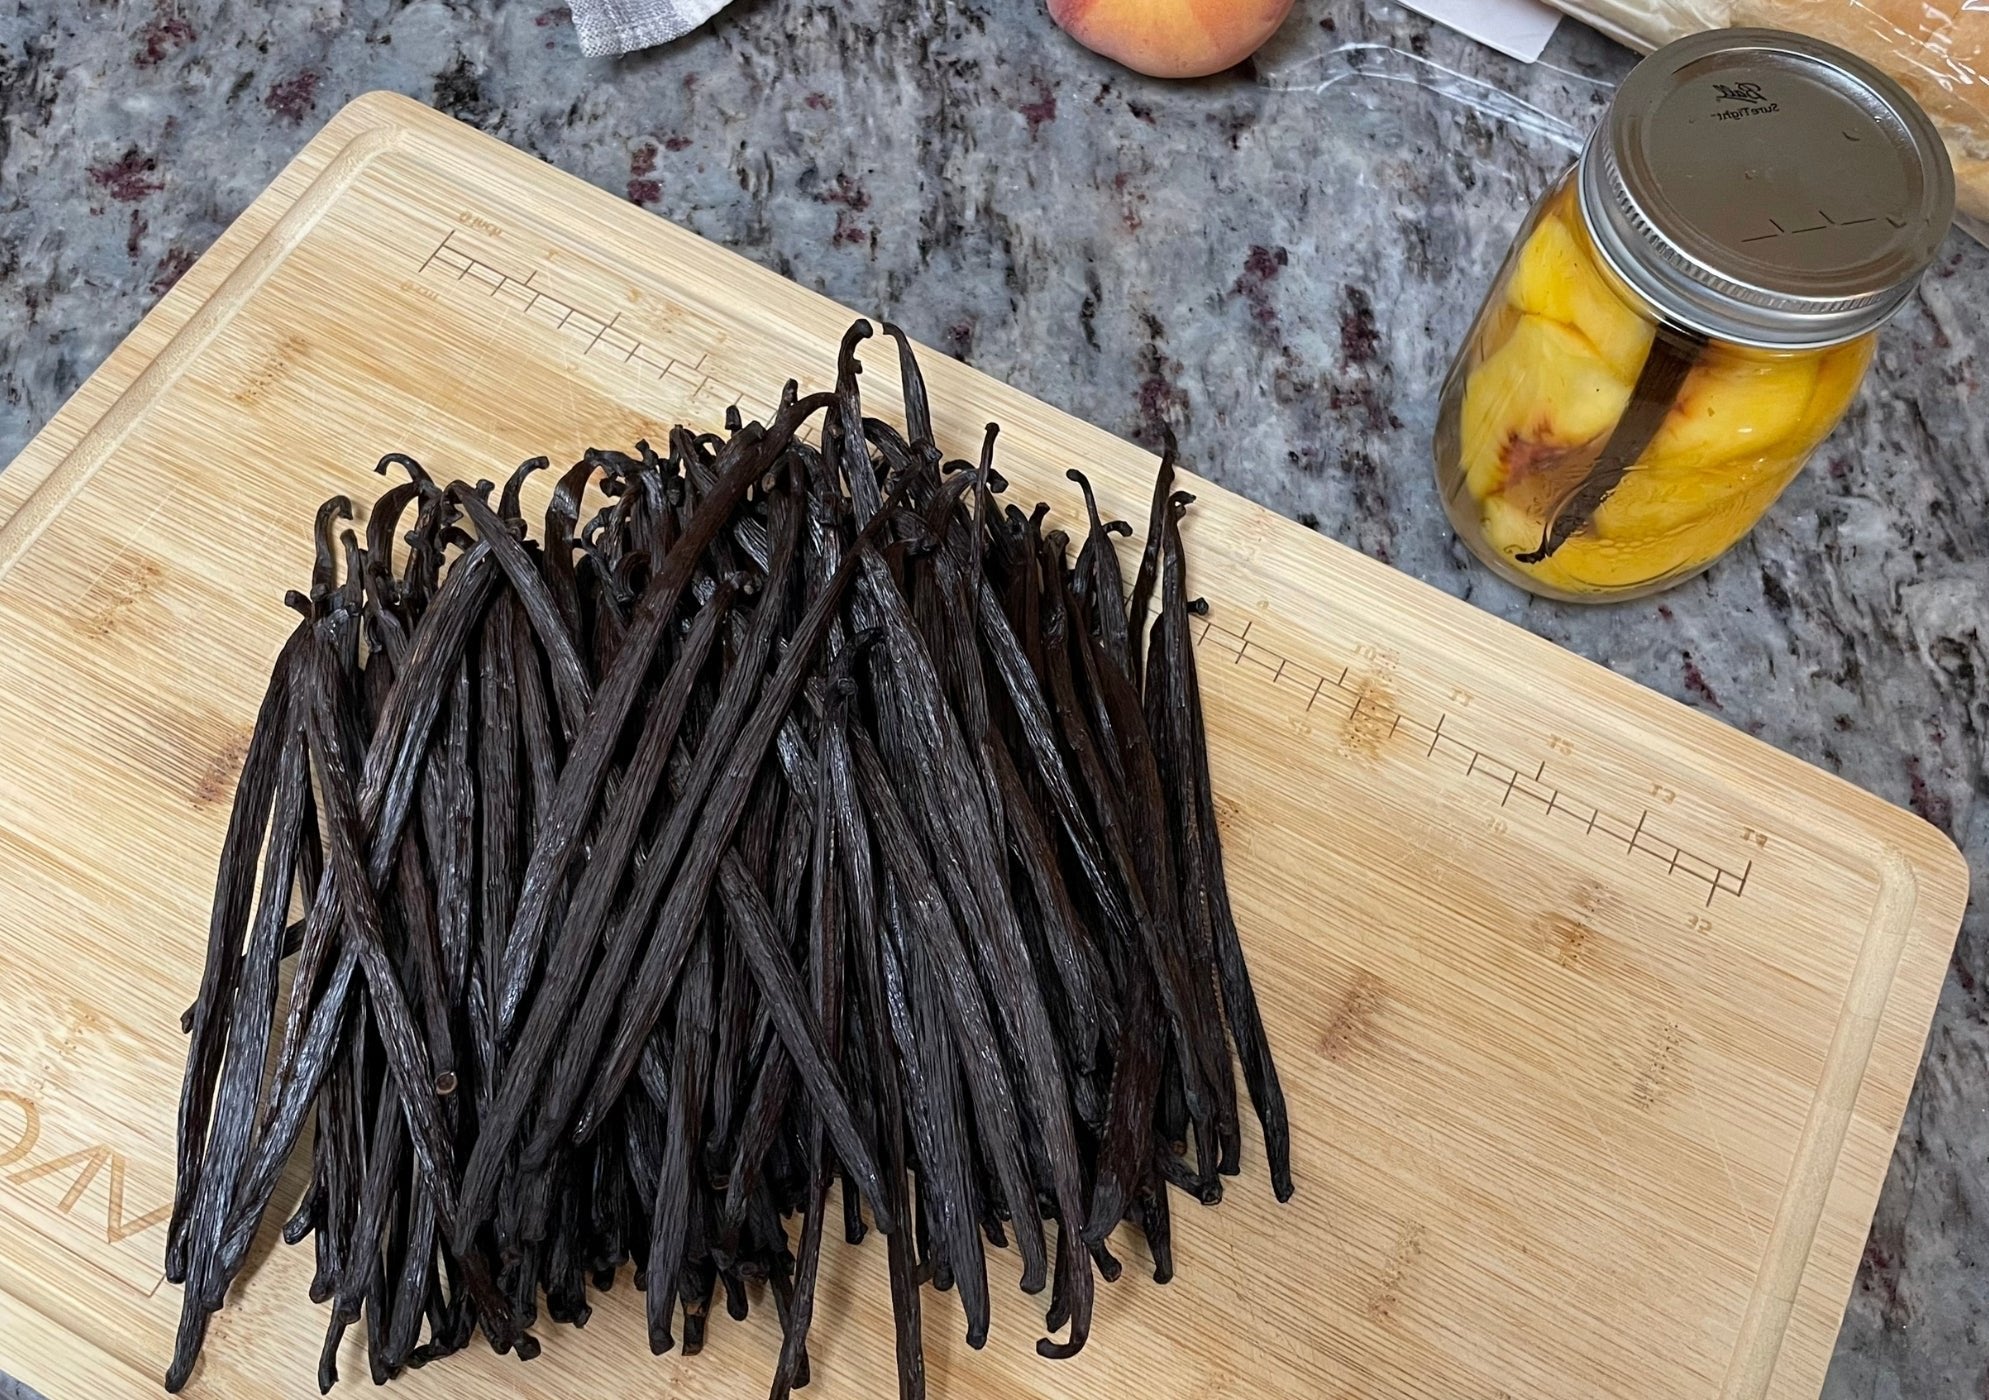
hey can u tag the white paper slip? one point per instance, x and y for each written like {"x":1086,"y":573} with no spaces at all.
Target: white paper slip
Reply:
{"x":1520,"y":28}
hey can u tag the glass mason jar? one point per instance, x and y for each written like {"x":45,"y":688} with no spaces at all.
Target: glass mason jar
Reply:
{"x":1687,"y":313}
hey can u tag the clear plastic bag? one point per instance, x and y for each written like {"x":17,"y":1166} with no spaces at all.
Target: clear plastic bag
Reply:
{"x":1938,"y":49}
{"x":1649,"y":24}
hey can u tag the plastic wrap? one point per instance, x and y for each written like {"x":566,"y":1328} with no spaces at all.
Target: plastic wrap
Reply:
{"x":1938,"y":49}
{"x":1649,"y":24}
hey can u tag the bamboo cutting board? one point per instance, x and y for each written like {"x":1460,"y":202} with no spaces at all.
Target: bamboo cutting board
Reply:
{"x":1598,"y":1018}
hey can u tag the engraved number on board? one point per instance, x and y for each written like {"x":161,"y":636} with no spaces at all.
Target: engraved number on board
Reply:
{"x":1699,"y":923}
{"x":1663,"y":793}
{"x":1759,"y":838}
{"x":1560,"y":746}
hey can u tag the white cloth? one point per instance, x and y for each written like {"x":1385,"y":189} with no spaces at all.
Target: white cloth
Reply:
{"x":623,"y":26}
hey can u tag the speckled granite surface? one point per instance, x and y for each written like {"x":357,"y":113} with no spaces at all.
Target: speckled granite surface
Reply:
{"x":1277,"y":262}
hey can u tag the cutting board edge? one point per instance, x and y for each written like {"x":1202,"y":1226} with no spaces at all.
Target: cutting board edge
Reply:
{"x":59,"y":460}
{"x":1904,"y":938}
{"x":51,"y":1358}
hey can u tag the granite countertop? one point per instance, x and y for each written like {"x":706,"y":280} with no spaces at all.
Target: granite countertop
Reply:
{"x":1276,"y":262}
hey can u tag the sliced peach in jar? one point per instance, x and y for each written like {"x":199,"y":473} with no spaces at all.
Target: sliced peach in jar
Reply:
{"x":1655,"y":499}
{"x":1557,"y":276}
{"x":1511,"y":530}
{"x":1734,"y":404}
{"x":1541,"y":395}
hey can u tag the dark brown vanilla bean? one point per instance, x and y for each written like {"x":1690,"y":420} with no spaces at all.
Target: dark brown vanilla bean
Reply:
{"x":782,"y":817}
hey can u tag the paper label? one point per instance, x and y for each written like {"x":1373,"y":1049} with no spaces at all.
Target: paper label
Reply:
{"x":1520,"y":28}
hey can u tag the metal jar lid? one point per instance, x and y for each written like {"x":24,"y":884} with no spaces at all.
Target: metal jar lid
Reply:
{"x":1767,"y":188}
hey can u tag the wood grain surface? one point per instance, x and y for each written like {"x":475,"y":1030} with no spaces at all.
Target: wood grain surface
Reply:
{"x":1597,"y":1017}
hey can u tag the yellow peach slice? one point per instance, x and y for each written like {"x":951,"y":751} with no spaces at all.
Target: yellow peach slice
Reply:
{"x":1593,"y":563}
{"x":1543,"y":393}
{"x":1654,"y":500}
{"x":1512,"y":530}
{"x":1557,"y":277}
{"x":1494,"y":329}
{"x":1733,"y":404}
{"x":1664,"y":492}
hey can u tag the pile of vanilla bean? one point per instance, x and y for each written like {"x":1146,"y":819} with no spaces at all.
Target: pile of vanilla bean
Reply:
{"x":803,"y":816}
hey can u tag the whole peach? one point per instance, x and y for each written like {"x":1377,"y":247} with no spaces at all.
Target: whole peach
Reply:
{"x":1172,"y":38}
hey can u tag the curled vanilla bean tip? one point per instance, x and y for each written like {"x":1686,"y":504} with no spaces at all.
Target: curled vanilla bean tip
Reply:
{"x":416,"y":472}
